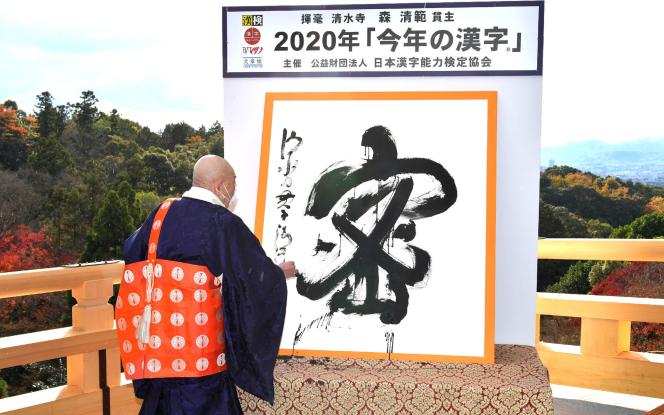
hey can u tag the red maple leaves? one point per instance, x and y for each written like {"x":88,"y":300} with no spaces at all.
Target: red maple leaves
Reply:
{"x":638,"y":279}
{"x":24,"y":249}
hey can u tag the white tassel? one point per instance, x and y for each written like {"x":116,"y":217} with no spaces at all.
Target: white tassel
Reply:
{"x":143,"y":329}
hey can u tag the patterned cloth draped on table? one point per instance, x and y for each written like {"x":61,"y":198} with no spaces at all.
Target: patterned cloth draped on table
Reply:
{"x":517,"y":384}
{"x":206,"y":234}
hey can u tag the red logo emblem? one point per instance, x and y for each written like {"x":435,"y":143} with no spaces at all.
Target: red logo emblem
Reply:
{"x":252,"y":36}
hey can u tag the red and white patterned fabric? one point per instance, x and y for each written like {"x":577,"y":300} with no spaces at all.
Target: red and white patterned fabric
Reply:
{"x":182,"y":303}
{"x":516,"y":384}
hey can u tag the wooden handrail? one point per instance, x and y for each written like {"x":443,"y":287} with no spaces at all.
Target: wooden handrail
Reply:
{"x":630,"y":372}
{"x":650,"y":250}
{"x":93,"y":329}
{"x":50,"y":344}
{"x":604,"y":307}
{"x":39,"y":281}
{"x":603,"y":360}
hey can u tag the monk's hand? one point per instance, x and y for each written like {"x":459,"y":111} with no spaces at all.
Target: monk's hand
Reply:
{"x":289,"y":269}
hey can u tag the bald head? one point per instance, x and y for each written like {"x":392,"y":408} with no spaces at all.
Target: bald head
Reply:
{"x":214,"y":173}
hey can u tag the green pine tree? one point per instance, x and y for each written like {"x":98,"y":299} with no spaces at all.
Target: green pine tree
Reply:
{"x":127,"y":193}
{"x":50,"y":156}
{"x":575,"y":281}
{"x":158,"y":171}
{"x":111,"y":226}
{"x":47,"y":114}
{"x":65,"y":205}
{"x":85,"y":111}
{"x":216,"y":142}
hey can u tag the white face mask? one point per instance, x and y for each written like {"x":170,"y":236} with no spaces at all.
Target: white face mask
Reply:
{"x":232,"y":201}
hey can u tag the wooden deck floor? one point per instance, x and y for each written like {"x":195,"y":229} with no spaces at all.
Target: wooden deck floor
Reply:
{"x":568,"y":400}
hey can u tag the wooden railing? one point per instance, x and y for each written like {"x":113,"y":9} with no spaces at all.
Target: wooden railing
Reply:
{"x":91,"y":337}
{"x":603,"y":360}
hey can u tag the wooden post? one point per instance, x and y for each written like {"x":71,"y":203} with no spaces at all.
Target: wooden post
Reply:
{"x":93,"y":312}
{"x":113,"y":367}
{"x":600,"y":337}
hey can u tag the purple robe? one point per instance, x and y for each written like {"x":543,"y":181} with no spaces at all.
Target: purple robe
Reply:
{"x":254,"y":307}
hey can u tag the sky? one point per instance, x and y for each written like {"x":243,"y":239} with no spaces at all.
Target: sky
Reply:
{"x":160,"y":62}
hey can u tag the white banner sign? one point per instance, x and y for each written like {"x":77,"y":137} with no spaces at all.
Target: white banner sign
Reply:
{"x":477,"y":38}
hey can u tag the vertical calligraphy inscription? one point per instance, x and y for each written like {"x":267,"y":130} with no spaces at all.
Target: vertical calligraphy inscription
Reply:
{"x":284,"y":200}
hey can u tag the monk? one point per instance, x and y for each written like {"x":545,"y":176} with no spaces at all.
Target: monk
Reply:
{"x":201,"y":307}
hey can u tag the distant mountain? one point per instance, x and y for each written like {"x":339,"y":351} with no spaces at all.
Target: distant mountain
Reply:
{"x":640,"y":160}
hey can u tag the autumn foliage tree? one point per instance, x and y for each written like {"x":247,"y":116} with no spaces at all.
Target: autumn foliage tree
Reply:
{"x":16,"y":131}
{"x":638,"y":279}
{"x":655,"y":205}
{"x":24,"y":249}
{"x":75,"y":182}
{"x":606,"y":199}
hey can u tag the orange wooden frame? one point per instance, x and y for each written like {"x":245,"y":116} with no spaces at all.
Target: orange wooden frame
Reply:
{"x":492,"y":120}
